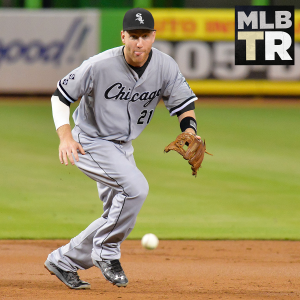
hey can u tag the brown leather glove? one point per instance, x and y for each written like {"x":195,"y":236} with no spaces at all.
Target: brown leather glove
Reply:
{"x":195,"y":151}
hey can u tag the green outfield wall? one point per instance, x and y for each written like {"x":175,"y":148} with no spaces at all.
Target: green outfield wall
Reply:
{"x":110,"y":28}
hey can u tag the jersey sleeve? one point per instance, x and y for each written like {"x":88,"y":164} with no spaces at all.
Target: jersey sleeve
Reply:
{"x":77,"y":83}
{"x":178,"y":94}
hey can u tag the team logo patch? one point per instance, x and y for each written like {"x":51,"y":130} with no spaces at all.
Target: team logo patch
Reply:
{"x":65,"y":82}
{"x":139,"y":18}
{"x":72,"y":76}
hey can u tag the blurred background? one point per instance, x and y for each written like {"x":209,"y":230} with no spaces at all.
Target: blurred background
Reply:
{"x":249,"y":116}
{"x":47,"y":38}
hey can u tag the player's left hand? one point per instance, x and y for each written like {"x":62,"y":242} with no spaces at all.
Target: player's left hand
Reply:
{"x":190,"y":130}
{"x":195,"y":151}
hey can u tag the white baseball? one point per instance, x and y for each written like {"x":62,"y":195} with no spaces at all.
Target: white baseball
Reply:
{"x":150,"y":241}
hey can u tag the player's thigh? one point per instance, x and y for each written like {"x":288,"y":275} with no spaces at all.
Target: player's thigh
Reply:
{"x":107,"y":164}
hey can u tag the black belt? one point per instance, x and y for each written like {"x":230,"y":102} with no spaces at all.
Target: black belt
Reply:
{"x":118,"y":142}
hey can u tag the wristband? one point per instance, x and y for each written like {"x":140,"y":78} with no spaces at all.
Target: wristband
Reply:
{"x":188,"y":122}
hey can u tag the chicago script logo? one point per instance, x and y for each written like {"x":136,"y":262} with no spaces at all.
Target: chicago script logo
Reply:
{"x":116,"y":91}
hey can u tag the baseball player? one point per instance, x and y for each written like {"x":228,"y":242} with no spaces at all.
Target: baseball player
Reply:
{"x":119,"y":91}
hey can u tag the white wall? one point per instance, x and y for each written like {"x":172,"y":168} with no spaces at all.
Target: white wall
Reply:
{"x":37,"y":48}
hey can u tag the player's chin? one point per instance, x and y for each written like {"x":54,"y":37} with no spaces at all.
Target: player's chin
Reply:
{"x":139,"y":56}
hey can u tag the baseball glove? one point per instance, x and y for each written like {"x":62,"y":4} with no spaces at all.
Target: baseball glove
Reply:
{"x":195,"y":151}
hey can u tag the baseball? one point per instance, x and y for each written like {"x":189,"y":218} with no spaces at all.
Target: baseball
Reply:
{"x":150,"y":241}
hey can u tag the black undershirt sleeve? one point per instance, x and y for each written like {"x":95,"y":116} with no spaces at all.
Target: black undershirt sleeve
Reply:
{"x":191,"y":106}
{"x":61,"y":97}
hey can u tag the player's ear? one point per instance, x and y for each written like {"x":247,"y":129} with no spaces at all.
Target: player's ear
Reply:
{"x":153,"y":35}
{"x":123,"y":36}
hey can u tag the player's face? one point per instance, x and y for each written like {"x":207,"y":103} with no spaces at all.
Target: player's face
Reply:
{"x":138,"y":45}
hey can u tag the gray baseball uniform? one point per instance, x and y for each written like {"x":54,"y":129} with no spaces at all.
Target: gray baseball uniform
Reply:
{"x":116,"y":105}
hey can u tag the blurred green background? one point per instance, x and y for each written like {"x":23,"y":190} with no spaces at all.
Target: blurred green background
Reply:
{"x":249,"y":189}
{"x":140,"y":3}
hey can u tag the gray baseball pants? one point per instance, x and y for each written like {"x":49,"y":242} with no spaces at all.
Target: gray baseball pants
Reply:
{"x":122,"y":188}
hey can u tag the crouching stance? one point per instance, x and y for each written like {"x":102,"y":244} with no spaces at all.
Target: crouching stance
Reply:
{"x":119,"y":90}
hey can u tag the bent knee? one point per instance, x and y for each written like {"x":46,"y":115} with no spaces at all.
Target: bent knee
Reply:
{"x":139,"y":189}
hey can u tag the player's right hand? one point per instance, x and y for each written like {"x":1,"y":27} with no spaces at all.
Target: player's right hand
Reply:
{"x":68,"y":147}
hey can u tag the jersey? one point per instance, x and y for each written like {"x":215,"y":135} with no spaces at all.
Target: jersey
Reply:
{"x":115,"y":103}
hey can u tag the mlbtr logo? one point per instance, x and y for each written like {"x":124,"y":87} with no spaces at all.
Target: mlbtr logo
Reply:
{"x":264,"y":35}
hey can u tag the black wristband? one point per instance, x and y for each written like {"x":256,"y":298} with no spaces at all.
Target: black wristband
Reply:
{"x":188,"y":122}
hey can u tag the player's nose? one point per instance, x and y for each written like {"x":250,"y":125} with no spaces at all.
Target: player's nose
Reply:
{"x":140,"y":42}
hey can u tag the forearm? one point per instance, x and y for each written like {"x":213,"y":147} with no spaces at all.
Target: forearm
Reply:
{"x":60,"y":112}
{"x":68,"y":146}
{"x":64,"y":132}
{"x":189,"y":113}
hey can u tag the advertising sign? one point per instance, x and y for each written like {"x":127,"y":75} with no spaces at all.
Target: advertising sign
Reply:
{"x":202,"y":41}
{"x":37,"y":48}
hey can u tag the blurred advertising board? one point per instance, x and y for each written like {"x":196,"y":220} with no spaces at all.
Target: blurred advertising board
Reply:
{"x":202,"y":43}
{"x":39,"y":47}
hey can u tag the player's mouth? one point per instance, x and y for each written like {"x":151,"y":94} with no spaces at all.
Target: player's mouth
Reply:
{"x":138,"y":53}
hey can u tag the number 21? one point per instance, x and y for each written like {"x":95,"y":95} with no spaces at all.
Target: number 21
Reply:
{"x":143,"y":115}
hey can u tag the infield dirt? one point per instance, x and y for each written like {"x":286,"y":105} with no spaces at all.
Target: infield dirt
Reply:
{"x":175,"y":270}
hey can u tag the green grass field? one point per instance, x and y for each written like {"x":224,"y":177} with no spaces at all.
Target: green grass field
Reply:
{"x":249,"y":189}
